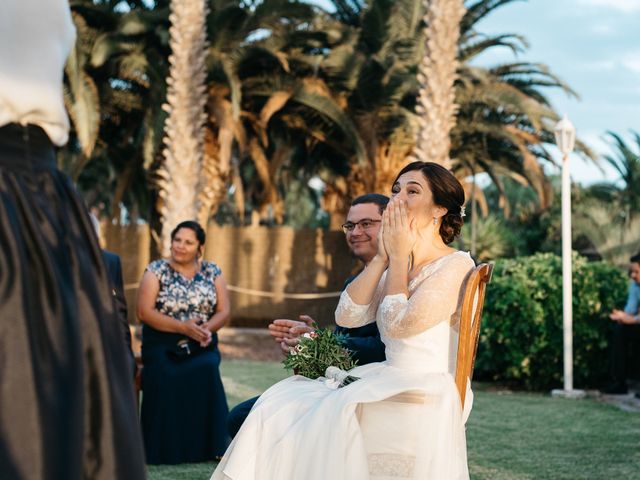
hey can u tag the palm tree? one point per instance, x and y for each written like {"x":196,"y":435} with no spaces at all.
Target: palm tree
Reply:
{"x":114,"y":87}
{"x":436,"y":106}
{"x":504,"y":119}
{"x":179,"y":177}
{"x":624,"y":192}
{"x":281,"y":113}
{"x":371,"y":71}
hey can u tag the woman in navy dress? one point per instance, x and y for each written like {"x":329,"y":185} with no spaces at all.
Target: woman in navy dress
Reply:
{"x":182,"y":303}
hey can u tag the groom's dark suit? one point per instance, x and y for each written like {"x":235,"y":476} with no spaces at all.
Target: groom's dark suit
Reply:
{"x":365,"y":345}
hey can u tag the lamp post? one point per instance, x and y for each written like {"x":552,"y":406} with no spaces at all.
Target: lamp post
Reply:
{"x":565,"y":135}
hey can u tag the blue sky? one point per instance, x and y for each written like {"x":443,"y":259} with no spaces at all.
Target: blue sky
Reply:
{"x":594,"y":46}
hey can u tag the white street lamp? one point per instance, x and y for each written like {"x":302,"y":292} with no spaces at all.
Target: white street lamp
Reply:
{"x":565,"y":139}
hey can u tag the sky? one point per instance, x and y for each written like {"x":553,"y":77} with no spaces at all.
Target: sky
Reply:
{"x":594,"y":46}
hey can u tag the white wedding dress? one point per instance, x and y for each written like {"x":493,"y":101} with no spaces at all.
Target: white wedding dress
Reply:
{"x":300,"y":429}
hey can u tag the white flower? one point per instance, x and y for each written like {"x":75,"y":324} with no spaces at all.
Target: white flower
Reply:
{"x":307,"y":335}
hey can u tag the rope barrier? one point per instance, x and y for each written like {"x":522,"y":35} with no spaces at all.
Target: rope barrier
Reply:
{"x":296,"y":296}
{"x":262,"y":293}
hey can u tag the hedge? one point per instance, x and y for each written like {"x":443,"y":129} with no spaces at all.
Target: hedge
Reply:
{"x":521,"y":334}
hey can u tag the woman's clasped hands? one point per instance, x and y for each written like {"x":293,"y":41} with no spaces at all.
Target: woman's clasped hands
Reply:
{"x":397,"y":236}
{"x":196,"y":330}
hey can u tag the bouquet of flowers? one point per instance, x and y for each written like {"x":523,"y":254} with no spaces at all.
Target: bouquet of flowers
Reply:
{"x":321,"y":353}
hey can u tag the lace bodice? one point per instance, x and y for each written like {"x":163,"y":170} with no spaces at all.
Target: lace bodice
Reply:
{"x":419,"y":331}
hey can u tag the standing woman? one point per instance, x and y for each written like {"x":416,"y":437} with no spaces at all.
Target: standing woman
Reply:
{"x":183,"y":302}
{"x":67,"y":408}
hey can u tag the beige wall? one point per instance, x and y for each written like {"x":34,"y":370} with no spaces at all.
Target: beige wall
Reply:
{"x":267,"y":259}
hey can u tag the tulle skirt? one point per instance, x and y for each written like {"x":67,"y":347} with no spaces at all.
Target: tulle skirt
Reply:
{"x":302,"y":429}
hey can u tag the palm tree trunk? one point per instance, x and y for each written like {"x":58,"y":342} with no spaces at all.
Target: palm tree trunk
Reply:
{"x":436,"y":106}
{"x":179,"y":176}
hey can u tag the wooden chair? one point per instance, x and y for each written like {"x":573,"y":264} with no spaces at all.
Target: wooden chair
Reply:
{"x":470,"y":317}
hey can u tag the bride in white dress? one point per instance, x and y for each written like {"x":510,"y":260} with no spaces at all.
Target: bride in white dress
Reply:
{"x":302,"y":429}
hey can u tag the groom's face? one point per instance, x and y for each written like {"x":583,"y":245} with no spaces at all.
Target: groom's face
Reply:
{"x":363,"y":240}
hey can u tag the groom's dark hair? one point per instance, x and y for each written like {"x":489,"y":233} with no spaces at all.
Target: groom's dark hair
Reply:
{"x":378,"y":199}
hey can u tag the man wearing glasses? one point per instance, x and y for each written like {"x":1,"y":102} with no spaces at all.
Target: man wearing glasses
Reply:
{"x":361,"y":230}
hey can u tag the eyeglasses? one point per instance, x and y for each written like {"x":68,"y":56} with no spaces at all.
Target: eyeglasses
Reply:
{"x":365,"y":224}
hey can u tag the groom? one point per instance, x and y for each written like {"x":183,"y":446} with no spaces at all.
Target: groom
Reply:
{"x":361,"y":229}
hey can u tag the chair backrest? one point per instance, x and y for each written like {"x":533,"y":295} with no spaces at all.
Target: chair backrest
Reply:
{"x":470,"y":315}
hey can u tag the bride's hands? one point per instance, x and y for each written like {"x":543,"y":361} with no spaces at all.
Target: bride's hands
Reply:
{"x":398,"y":232}
{"x":382,"y":251}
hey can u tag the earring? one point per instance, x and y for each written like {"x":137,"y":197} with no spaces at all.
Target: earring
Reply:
{"x":435,"y":220}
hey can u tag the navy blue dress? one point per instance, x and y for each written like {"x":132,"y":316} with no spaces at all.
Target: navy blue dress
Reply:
{"x":184,"y":408}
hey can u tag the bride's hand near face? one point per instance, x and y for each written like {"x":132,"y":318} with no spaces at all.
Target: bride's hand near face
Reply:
{"x":399,"y":233}
{"x":399,"y":239}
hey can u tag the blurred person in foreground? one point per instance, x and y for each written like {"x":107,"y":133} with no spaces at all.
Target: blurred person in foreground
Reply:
{"x":67,"y":408}
{"x":626,"y":331}
{"x":361,"y":231}
{"x":183,"y":302}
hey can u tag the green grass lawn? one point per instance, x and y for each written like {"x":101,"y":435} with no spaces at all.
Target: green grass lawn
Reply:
{"x":513,"y":436}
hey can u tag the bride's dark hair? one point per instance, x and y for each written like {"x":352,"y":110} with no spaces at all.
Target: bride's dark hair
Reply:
{"x":447,"y":192}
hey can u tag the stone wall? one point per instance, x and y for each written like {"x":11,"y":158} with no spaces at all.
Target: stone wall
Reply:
{"x":268,"y":262}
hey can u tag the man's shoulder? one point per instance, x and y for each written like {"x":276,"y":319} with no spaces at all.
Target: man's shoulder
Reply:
{"x":110,"y":258}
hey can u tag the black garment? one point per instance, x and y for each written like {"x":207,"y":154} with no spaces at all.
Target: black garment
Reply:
{"x":238,"y":415}
{"x":622,"y":339}
{"x":67,"y":408}
{"x":114,"y":271}
{"x":184,"y":406}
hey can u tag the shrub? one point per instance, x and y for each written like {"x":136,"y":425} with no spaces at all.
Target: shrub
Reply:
{"x":521,"y":335}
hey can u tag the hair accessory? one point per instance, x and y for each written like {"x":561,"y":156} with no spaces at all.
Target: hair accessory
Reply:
{"x":462,"y":211}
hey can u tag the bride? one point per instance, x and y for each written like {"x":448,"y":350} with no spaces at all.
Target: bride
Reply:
{"x":302,"y":429}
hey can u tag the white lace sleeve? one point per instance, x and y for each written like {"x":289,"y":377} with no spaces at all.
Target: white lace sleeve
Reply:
{"x":435,"y":298}
{"x":351,"y":315}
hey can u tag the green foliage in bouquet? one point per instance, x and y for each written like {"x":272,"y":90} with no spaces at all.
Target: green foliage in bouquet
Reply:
{"x":521,"y":332}
{"x":317,"y":351}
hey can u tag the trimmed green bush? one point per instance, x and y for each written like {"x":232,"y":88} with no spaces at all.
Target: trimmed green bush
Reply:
{"x":521,"y":334}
